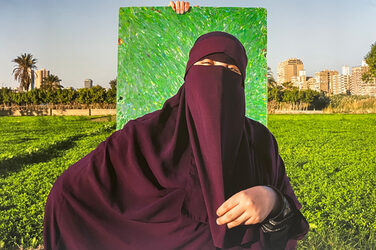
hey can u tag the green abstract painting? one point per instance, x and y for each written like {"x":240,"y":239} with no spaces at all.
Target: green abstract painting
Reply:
{"x":153,"y":49}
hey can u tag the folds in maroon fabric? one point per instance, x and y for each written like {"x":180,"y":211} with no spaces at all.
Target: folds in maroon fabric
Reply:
{"x":157,"y":183}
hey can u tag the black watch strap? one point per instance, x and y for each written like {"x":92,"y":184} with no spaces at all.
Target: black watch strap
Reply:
{"x":280,"y":221}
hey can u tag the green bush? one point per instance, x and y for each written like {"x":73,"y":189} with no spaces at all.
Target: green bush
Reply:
{"x":94,"y":95}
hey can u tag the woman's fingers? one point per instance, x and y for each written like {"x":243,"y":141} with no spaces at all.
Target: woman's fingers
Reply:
{"x":242,"y":219}
{"x":186,"y":6}
{"x":249,"y":206}
{"x":180,"y":7}
{"x":231,"y":215}
{"x":172,"y":4}
{"x":227,"y":205}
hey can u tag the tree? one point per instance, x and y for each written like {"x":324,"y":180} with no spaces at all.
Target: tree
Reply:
{"x":84,"y":96}
{"x":321,"y":101}
{"x":111,"y":93}
{"x":113,"y":83}
{"x":24,"y":70}
{"x":371,"y":61}
{"x":309,"y":95}
{"x":271,"y":81}
{"x":287,"y":85}
{"x":275,"y":94}
{"x":51,"y":83}
{"x":98,"y":94}
{"x":5,"y":96}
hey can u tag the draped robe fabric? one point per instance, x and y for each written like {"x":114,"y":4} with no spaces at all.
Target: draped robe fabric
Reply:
{"x":157,"y":183}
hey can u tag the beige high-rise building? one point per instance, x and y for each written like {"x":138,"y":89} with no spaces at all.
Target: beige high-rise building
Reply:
{"x":32,"y":77}
{"x":288,"y":71}
{"x":88,"y":83}
{"x":326,"y":80}
{"x":341,"y":83}
{"x":312,"y":84}
{"x":357,"y":86}
{"x":302,"y":80}
{"x":345,"y":70}
{"x":42,"y":73}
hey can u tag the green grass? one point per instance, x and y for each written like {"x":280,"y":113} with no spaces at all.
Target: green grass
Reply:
{"x":34,"y":152}
{"x":330,"y":159}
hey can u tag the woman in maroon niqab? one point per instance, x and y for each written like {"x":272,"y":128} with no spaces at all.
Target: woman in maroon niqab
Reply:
{"x":157,"y":183}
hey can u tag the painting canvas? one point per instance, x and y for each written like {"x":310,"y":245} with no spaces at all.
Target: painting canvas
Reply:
{"x":153,"y":49}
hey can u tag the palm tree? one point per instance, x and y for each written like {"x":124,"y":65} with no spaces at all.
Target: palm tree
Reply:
{"x":113,"y":83}
{"x":271,"y":81}
{"x":287,"y":85}
{"x":51,"y":82}
{"x":24,"y":70}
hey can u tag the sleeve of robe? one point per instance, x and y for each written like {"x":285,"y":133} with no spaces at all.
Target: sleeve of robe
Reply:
{"x":298,"y":226}
{"x":266,"y":148}
{"x":74,"y":205}
{"x":58,"y":232}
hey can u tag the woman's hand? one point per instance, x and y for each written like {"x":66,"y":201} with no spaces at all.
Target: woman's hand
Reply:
{"x":250,"y":206}
{"x":180,"y":7}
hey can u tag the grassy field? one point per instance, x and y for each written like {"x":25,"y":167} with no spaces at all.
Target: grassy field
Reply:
{"x":34,"y":151}
{"x":330,"y":159}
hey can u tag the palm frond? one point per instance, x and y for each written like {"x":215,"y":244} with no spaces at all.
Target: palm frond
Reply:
{"x":23,"y":70}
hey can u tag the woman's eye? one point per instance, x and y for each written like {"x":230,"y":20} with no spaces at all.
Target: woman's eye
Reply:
{"x":207,"y":63}
{"x":235,"y":70}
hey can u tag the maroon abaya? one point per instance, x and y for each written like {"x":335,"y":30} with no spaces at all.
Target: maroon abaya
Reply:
{"x":157,"y":183}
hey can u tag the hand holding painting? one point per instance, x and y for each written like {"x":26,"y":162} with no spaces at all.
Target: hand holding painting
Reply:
{"x":180,"y":7}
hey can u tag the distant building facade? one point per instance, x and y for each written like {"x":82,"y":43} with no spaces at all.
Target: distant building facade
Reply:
{"x":31,"y":73}
{"x":326,"y":79}
{"x":302,"y":80}
{"x":288,"y":71}
{"x":345,"y":70}
{"x":88,"y":83}
{"x":313,"y":84}
{"x":358,"y":86}
{"x":341,"y":82}
{"x":40,"y":75}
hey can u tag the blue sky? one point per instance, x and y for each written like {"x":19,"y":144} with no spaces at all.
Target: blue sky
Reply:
{"x":77,"y":39}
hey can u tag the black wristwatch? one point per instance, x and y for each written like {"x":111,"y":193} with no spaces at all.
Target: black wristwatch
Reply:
{"x":282,"y":219}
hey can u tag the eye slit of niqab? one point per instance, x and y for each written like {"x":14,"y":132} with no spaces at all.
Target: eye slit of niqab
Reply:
{"x":210,"y":62}
{"x":205,"y":61}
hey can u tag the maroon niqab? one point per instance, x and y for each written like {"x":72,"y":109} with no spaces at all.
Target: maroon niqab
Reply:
{"x":157,"y":183}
